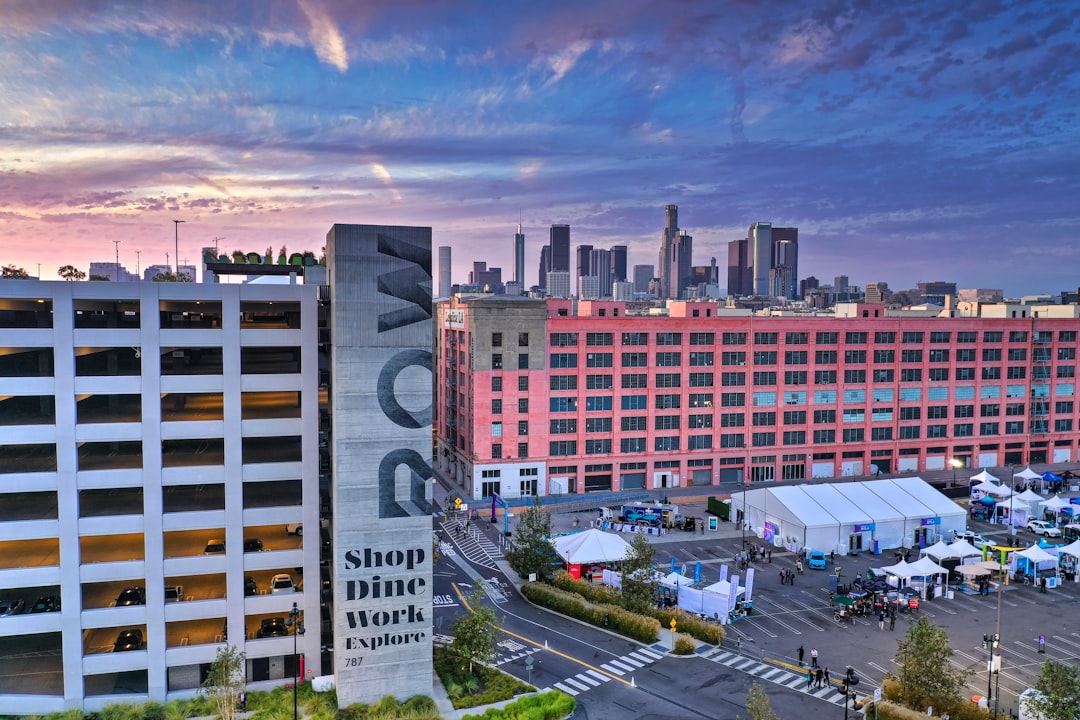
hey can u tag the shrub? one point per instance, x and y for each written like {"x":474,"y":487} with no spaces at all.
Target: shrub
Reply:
{"x":612,"y":617}
{"x":684,"y":645}
{"x":488,"y":684}
{"x":552,"y":705}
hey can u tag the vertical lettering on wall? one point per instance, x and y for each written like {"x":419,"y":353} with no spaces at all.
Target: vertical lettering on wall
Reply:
{"x":405,"y":284}
{"x":420,"y":471}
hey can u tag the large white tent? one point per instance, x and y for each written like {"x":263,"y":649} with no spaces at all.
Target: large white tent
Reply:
{"x":832,"y":516}
{"x":591,"y":546}
{"x":984,"y":476}
{"x":1027,"y":474}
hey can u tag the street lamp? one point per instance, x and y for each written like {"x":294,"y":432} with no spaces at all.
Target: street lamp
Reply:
{"x":176,"y":242}
{"x":297,"y":629}
{"x":956,"y":463}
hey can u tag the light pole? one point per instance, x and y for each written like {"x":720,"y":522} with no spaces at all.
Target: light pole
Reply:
{"x":176,"y":241}
{"x":116,"y":245}
{"x":956,"y":463}
{"x":297,"y":629}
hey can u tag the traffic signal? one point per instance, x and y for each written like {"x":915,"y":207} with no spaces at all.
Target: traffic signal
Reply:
{"x":986,"y":641}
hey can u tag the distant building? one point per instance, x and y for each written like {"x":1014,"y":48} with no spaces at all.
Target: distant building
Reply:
{"x":109,"y":270}
{"x":622,"y":291}
{"x":559,"y":253}
{"x":444,"y":271}
{"x":739,"y":281}
{"x":618,"y":262}
{"x":877,"y":292}
{"x":765,"y":262}
{"x":583,"y":255}
{"x":545,"y":264}
{"x":676,"y":255}
{"x":589,"y":287}
{"x":840,"y":284}
{"x":513,"y":288}
{"x":485,"y":277}
{"x":807,"y":284}
{"x":980,"y":295}
{"x":519,"y":257}
{"x":558,"y":283}
{"x":153,"y":271}
{"x":934,"y":292}
{"x":642,"y":275}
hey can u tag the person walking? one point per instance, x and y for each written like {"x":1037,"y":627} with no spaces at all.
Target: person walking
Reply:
{"x":809,"y":680}
{"x":892,"y":621}
{"x":813,"y":657}
{"x":1043,"y":585}
{"x":798,"y":566}
{"x":800,"y":652}
{"x":782,"y":578}
{"x":826,"y":677}
{"x":881,"y":620}
{"x":819,"y":678}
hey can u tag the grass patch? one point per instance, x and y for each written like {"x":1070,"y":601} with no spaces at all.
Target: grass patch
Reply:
{"x":552,"y":705}
{"x":482,"y":686}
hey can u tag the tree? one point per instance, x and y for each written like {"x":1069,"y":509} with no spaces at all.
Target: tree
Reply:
{"x":70,"y":272}
{"x":170,"y":277}
{"x":638,"y":583}
{"x":225,"y":681}
{"x":532,"y":551}
{"x":99,"y":278}
{"x":1058,"y":696}
{"x":474,"y":633}
{"x":10,"y":272}
{"x":926,"y":675}
{"x":759,"y":705}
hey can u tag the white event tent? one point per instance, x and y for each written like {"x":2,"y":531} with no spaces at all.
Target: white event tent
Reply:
{"x":591,"y":546}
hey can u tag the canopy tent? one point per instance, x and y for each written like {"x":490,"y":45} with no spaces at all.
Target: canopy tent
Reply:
{"x":999,"y":491}
{"x":1027,"y":474}
{"x":964,"y":549}
{"x":974,"y":570}
{"x":591,"y":546}
{"x":940,"y":551}
{"x":798,"y":520}
{"x":984,"y":476}
{"x":1071,"y":549}
{"x":1055,"y":504}
{"x":723,"y":588}
{"x":924,"y":566}
{"x":987,"y":500}
{"x":1017,"y":512}
{"x":677,"y":580}
{"x":848,"y":515}
{"x":1051,"y":477}
{"x":1035,"y":554}
{"x":1030,"y":497}
{"x":901,"y":569}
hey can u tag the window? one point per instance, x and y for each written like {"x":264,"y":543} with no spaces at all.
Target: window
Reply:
{"x":760,"y":419}
{"x":853,"y":435}
{"x":824,"y":377}
{"x":794,"y":377}
{"x":668,"y":380}
{"x":988,"y":428}
{"x":562,"y":448}
{"x":635,"y":381}
{"x":824,"y":437}
{"x":966,"y":337}
{"x":912,"y":338}
{"x":598,"y":382}
{"x":668,"y":359}
{"x":909,"y":432}
{"x":668,"y":338}
{"x":563,"y":405}
{"x":563,"y":360}
{"x":795,"y":357}
{"x":701,"y":358}
{"x":632,"y":445}
{"x":856,"y":377}
{"x":523,"y":340}
{"x":1014,"y":427}
{"x":884,"y":356}
{"x":733,"y":338}
{"x":910,"y":413}
{"x":765,"y":357}
{"x":937,"y":412}
{"x":496,"y":451}
{"x":733,"y":357}
{"x":667,"y":422}
{"x":702,"y":338}
{"x":496,"y":406}
{"x":523,"y":383}
{"x":729,"y":440}
{"x":824,"y":397}
{"x":939,"y":355}
{"x":634,"y":423}
{"x":701,"y":379}
{"x":937,"y":431}
{"x":991,"y":373}
{"x":1016,"y":372}
{"x":668,"y":402}
{"x":733,"y":379}
{"x":599,"y":339}
{"x":496,"y":361}
{"x":1018,"y":336}
{"x":795,"y":397}
{"x":1066,"y":371}
{"x":881,"y":414}
{"x":763,"y":439}
{"x":963,"y":430}
{"x":598,"y":403}
{"x":937,"y":393}
{"x":882,"y":395}
{"x":965,"y":373}
{"x":854,"y":415}
{"x":635,"y":338}
{"x":825,"y":357}
{"x":1063,"y":407}
{"x":880,"y":433}
{"x":732,"y":420}
{"x":826,"y":338}
{"x":991,"y":336}
{"x":824,"y":417}
{"x":698,"y":422}
{"x":496,"y":339}
{"x":1066,"y":353}
{"x":523,"y":427}
{"x":1015,"y":391}
{"x":857,"y":357}
{"x":635,"y":359}
{"x":563,"y":339}
{"x":523,"y":452}
{"x":598,"y":446}
{"x":563,"y":382}
{"x":666,"y":443}
{"x":911,"y":375}
{"x":765,"y":378}
{"x":855,"y":396}
{"x":794,"y":437}
{"x":855,"y":338}
{"x":965,"y":355}
{"x":563,"y":427}
{"x":911,"y":356}
{"x":884,"y":338}
{"x":496,"y":383}
{"x":598,"y":360}
{"x":990,"y":391}
{"x":699,"y":442}
{"x":701,"y":399}
{"x":765,"y":338}
{"x":1017,"y":354}
{"x":797,"y":338}
{"x":733,"y":399}
{"x":764,"y":398}
{"x":598,"y":425}
{"x":940,"y":337}
{"x":794,"y":417}
{"x":963,"y":411}
{"x":884,"y":376}
{"x":910,"y":394}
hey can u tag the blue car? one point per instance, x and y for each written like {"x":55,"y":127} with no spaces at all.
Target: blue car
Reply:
{"x":816,"y":560}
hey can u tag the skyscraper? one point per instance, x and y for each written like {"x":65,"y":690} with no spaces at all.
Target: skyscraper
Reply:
{"x":519,"y":257}
{"x":682,"y":262}
{"x":783,"y":274}
{"x":545,"y":263}
{"x":667,"y":242}
{"x":618,"y":263}
{"x":444,"y":271}
{"x":584,"y":260}
{"x":600,"y":265}
{"x":759,"y":250}
{"x":643,"y":274}
{"x":559,"y":254}
{"x":738,"y":277}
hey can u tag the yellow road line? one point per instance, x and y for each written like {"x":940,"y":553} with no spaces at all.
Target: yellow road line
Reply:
{"x":541,"y":646}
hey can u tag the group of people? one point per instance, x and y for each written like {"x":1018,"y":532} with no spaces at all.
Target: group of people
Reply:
{"x":786,"y":576}
{"x":752,"y":554}
{"x":817,"y":679}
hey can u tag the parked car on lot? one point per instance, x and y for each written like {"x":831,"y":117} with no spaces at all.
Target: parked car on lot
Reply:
{"x":250,"y":588}
{"x":816,"y":560}
{"x":128,"y":640}
{"x":272,"y":627}
{"x":974,"y":539}
{"x":134,"y":595}
{"x":214,"y":547}
{"x":174,"y":593}
{"x":281,"y":583}
{"x":11,"y":607}
{"x":253,"y":545}
{"x":46,"y":603}
{"x":1041,"y":527}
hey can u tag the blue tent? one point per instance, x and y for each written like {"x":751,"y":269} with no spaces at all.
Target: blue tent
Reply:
{"x":987,"y":501}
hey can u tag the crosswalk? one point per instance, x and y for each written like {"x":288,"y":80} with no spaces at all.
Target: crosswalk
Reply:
{"x":619,"y":667}
{"x":475,"y":546}
{"x":776,"y":675}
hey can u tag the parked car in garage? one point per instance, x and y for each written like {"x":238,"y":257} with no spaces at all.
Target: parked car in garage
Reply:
{"x":294,"y":528}
{"x":281,"y":583}
{"x":133,"y":595}
{"x":253,"y":545}
{"x":816,"y":560}
{"x":128,"y":640}
{"x":272,"y":627}
{"x":1041,"y":527}
{"x":250,"y":588}
{"x":214,"y":547}
{"x":46,"y":603}
{"x":11,"y":607}
{"x":174,"y":593}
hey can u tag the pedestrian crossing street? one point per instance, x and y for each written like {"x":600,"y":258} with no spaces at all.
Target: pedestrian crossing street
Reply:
{"x":777,"y":675}
{"x":620,"y":667}
{"x":474,"y":545}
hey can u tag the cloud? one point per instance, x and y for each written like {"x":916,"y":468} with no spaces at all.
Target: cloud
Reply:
{"x":563,"y":61}
{"x":325,"y":36}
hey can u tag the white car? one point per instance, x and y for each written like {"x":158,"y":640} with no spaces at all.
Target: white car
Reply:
{"x":974,"y":539}
{"x":282,"y":583}
{"x":294,"y":528}
{"x":1041,"y":527}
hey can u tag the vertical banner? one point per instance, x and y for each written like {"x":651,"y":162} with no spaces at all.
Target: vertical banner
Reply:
{"x":723,"y":573}
{"x":733,"y":594}
{"x":381,"y":411}
{"x":749,"y":583}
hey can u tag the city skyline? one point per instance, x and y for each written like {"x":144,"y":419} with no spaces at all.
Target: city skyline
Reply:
{"x":906,"y":144}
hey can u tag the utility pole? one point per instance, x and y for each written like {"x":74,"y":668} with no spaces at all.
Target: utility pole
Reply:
{"x":216,"y":240}
{"x":138,"y":254}
{"x":116,"y":244}
{"x":176,"y":240}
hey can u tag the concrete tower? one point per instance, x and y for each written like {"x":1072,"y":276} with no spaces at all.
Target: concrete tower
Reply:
{"x":519,"y":257}
{"x":444,"y":271}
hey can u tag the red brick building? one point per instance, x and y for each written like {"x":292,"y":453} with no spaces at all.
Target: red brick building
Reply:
{"x":533,"y":396}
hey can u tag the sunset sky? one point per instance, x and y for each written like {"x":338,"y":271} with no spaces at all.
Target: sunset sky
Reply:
{"x":906,"y":141}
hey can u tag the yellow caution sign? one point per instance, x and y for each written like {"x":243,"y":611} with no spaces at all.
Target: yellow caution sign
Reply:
{"x":672,"y":624}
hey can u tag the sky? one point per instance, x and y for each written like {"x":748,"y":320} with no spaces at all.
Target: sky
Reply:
{"x":907,"y":141}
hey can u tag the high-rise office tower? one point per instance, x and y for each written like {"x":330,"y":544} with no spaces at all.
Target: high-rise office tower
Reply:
{"x":682,"y":251}
{"x":618,"y":262}
{"x":600,"y":264}
{"x":444,"y":271}
{"x":559,"y":254}
{"x":759,"y":250}
{"x":738,"y":260}
{"x":808,"y":284}
{"x":519,"y":257}
{"x":840,"y":283}
{"x":668,"y":284}
{"x":558,"y":283}
{"x":584,"y":260}
{"x":784,"y":272}
{"x":545,"y":263}
{"x":643,"y":275}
